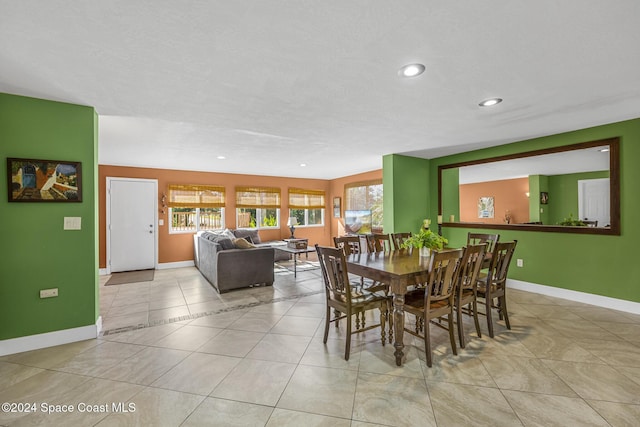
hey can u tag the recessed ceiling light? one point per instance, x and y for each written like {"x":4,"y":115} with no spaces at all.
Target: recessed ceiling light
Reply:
{"x":490,"y":102}
{"x":221,"y":157}
{"x":303,"y":164}
{"x":411,"y":70}
{"x":604,"y":150}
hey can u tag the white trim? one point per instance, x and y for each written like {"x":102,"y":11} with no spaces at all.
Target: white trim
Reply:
{"x":102,"y":272}
{"x":50,"y":339}
{"x":593,"y":299}
{"x":178,"y":264}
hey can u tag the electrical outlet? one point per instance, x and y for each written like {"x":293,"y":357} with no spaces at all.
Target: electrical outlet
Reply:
{"x":49,"y":293}
{"x":520,"y":262}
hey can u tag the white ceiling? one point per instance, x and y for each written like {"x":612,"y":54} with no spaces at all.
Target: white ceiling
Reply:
{"x":272,"y":84}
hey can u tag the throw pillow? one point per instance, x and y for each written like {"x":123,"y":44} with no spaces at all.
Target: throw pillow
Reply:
{"x":243,"y":232}
{"x":228,"y":234}
{"x":241,"y":243}
{"x":225,"y":242}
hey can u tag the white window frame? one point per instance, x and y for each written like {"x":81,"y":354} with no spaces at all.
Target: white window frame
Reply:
{"x":259,"y":225}
{"x":306,"y":218}
{"x":197,"y":221}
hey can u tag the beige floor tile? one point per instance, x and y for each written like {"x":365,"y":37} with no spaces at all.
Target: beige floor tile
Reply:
{"x":306,"y":309}
{"x":12,"y":373}
{"x":280,"y":348}
{"x":161,"y":303}
{"x":143,"y":336}
{"x":116,"y":322}
{"x":232,"y":343}
{"x":99,"y":359}
{"x":331,"y":354}
{"x":392,"y":400}
{"x":51,"y":356}
{"x":466,"y":405}
{"x":255,"y":381}
{"x":617,"y":414}
{"x":557,"y":347}
{"x":155,"y":407}
{"x":552,"y":311}
{"x":286,"y":418}
{"x":199,"y":373}
{"x":145,"y":366}
{"x":168,"y":313}
{"x":188,"y":337}
{"x":462,"y":369}
{"x":596,"y":382}
{"x":525,"y":374}
{"x":623,"y":330}
{"x":323,"y":391}
{"x":255,"y":322}
{"x":278,"y":308}
{"x":616,"y":353}
{"x":582,"y":330}
{"x":227,"y":413}
{"x":547,"y":410}
{"x":293,"y":325}
{"x":219,"y":320}
{"x":376,"y":359}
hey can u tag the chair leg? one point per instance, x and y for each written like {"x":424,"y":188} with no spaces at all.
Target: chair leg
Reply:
{"x":336,"y":314}
{"x":347,"y":349}
{"x":488,"y":303}
{"x":505,"y":313}
{"x":451,"y":334}
{"x":390,"y":321}
{"x":326,"y":324}
{"x":383,"y":316}
{"x":427,"y":344}
{"x":460,"y":326}
{"x":474,"y":304}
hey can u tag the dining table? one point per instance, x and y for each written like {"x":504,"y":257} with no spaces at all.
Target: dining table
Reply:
{"x":400,"y":269}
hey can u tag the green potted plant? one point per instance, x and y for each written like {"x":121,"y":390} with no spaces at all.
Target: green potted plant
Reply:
{"x":572,"y":222}
{"x":425,"y":240}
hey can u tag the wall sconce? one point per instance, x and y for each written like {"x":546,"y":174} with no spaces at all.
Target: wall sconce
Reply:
{"x":527,"y":193}
{"x":163,"y":203}
{"x":292,"y":222}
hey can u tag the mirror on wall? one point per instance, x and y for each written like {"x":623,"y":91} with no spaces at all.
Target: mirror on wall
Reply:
{"x":573,"y":188}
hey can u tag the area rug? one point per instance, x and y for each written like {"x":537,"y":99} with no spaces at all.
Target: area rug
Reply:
{"x":130,"y":277}
{"x":302,"y":265}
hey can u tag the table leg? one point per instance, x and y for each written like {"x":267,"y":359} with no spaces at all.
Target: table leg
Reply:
{"x":398,"y":326}
{"x":295,"y":266}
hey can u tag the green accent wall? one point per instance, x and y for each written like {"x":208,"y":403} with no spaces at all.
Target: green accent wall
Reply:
{"x":37,"y":253}
{"x":563,"y":194}
{"x":405,"y":182}
{"x":596,"y":264}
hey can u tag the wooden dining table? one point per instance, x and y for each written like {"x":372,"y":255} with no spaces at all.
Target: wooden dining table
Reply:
{"x":400,"y":269}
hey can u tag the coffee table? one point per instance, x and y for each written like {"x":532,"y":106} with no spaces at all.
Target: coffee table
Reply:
{"x":296,"y":254}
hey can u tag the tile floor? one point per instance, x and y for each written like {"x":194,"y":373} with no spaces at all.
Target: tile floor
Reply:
{"x":256,"y":358}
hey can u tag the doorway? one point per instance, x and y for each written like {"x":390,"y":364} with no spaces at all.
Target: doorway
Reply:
{"x":593,"y":201}
{"x":132,"y":238}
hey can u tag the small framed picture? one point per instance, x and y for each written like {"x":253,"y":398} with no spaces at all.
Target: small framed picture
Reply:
{"x":544,"y":198}
{"x":336,"y":207}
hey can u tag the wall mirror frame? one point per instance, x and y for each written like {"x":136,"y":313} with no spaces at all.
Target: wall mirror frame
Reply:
{"x":614,"y":194}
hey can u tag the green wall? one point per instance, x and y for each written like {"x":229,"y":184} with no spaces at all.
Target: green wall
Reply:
{"x":36,"y":252}
{"x":563,"y":194}
{"x":405,"y":182}
{"x":597,"y":264}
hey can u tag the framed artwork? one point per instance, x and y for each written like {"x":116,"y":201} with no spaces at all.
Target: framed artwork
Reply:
{"x":31,"y":180}
{"x":544,"y":198}
{"x":485,"y":207}
{"x":336,"y":207}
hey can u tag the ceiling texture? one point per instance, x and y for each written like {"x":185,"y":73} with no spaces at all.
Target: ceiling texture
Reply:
{"x":272,"y":84}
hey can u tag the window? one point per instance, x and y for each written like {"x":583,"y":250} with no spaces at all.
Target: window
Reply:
{"x":307,"y":206}
{"x":257,"y":207}
{"x":195,"y":207}
{"x":365,"y":196}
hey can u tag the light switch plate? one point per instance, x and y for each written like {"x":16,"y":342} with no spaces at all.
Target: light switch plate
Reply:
{"x":72,"y":223}
{"x":49,"y":293}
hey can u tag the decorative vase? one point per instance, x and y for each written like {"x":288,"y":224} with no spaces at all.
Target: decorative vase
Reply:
{"x":424,"y":251}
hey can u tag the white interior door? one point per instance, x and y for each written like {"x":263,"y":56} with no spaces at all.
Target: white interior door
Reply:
{"x":593,"y":201}
{"x":131,"y":224}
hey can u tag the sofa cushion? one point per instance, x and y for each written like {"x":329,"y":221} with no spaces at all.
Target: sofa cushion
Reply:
{"x":225,"y":242}
{"x":243,"y":232}
{"x":242,"y":243}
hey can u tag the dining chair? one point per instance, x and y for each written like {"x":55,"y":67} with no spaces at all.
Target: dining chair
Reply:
{"x":344,"y":299}
{"x":349,"y":244}
{"x":437,"y":298}
{"x":479,"y":238}
{"x":493,"y":284}
{"x":399,"y":239}
{"x":378,"y":242}
{"x":467,"y":287}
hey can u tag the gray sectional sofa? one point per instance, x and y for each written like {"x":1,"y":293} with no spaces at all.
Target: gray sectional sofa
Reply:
{"x":227,"y":267}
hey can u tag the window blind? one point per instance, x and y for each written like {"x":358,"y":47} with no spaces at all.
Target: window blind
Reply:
{"x":257,"y":197}
{"x":195,"y":196}
{"x":306,"y":199}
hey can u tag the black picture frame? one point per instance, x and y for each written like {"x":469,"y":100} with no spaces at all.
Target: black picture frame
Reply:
{"x":44,"y":181}
{"x":544,"y":197}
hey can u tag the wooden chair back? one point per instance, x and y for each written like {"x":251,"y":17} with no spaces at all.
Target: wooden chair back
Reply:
{"x":399,"y":239}
{"x":335,"y":274}
{"x":470,"y":266}
{"x":499,"y":267}
{"x":479,"y":238}
{"x":442,"y":276}
{"x":378,"y":242}
{"x":348,"y":244}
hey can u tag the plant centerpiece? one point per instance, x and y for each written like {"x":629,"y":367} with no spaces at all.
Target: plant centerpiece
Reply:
{"x":572,"y":222}
{"x":425,"y":240}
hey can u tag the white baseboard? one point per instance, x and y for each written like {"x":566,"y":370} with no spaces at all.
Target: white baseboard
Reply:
{"x":102,"y":272}
{"x":179,"y":264}
{"x":50,"y":339}
{"x":583,"y":297}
